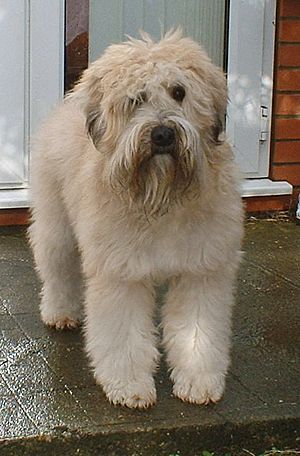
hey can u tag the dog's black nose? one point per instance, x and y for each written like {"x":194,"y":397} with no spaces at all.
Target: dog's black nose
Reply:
{"x":162,"y":136}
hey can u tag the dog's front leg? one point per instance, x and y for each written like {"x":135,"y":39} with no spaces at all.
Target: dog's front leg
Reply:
{"x":120,"y":339}
{"x":197,"y":327}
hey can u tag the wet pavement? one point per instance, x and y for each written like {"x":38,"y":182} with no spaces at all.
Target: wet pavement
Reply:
{"x":49,"y":403}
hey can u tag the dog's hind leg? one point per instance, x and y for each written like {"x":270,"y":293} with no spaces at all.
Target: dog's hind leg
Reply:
{"x":57,"y":259}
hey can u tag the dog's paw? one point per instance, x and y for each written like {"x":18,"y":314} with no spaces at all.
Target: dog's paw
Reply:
{"x":61,"y":322}
{"x":204,"y":389}
{"x":139,"y":395}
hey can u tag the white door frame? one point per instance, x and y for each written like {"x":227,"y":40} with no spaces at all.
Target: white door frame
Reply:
{"x":45,"y":69}
{"x":44,"y":77}
{"x":250,"y":85}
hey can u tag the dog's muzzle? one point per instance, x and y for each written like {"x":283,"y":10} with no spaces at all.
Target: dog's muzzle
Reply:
{"x":162,"y":139}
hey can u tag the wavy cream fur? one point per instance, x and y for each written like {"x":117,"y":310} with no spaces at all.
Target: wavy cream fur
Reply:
{"x":110,"y":219}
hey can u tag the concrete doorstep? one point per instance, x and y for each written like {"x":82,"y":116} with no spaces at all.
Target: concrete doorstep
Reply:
{"x":50,"y":405}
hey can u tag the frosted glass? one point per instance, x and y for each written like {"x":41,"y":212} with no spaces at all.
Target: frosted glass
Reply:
{"x":112,"y":20}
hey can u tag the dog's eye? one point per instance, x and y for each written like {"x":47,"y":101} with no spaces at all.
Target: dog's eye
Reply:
{"x":178,"y":93}
{"x":138,"y":100}
{"x":142,"y":97}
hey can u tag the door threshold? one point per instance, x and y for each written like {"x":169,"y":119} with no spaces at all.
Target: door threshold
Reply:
{"x":19,"y":198}
{"x":14,"y":198}
{"x":265,"y":187}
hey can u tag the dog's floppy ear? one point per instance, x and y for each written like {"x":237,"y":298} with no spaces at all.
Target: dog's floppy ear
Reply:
{"x":94,"y":124}
{"x":218,"y":128}
{"x":215,"y":82}
{"x":88,"y":94}
{"x":218,"y":87}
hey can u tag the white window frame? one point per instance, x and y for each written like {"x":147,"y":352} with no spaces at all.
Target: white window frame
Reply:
{"x":44,"y":74}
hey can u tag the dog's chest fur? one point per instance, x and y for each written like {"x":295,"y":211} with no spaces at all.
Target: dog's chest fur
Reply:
{"x":178,"y":247}
{"x":176,"y":243}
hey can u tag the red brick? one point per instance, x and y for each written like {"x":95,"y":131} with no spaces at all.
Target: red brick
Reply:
{"x":289,"y":55}
{"x":14,"y":217}
{"x":287,"y":129}
{"x":287,"y":152}
{"x":287,"y":104}
{"x":289,"y":31}
{"x":289,"y":8}
{"x":290,"y":173}
{"x":288,"y":80}
{"x":268,"y":203}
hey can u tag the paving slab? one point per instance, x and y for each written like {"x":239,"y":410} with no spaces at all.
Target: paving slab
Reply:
{"x":50,"y":405}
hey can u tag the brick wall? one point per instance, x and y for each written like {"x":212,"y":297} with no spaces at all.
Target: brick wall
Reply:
{"x":285,"y":151}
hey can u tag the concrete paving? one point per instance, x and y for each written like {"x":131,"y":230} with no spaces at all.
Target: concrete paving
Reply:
{"x":49,"y":403}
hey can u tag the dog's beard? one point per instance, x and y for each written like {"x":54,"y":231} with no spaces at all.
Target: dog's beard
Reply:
{"x":155,"y":179}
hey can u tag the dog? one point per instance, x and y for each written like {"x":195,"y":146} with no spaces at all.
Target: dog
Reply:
{"x":134,"y":183}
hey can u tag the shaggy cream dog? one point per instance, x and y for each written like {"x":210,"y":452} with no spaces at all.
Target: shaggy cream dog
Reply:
{"x":133,"y":182}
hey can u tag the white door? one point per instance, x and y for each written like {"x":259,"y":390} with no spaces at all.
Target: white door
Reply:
{"x":204,"y":20}
{"x":31,"y":81}
{"x":250,"y":76}
{"x":13,"y":81}
{"x":250,"y":44}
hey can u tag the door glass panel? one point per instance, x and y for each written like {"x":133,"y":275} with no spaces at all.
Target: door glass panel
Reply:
{"x":13,"y":82}
{"x":250,"y":79}
{"x":204,"y":20}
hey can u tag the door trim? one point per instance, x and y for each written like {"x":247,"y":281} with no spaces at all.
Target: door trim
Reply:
{"x":240,"y":55}
{"x":47,"y":32}
{"x":44,"y":80}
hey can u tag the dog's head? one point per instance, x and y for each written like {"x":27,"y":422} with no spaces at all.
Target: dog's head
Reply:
{"x":154,"y":110}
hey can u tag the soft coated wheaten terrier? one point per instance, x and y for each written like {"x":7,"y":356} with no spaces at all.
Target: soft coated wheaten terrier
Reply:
{"x":133,"y":182}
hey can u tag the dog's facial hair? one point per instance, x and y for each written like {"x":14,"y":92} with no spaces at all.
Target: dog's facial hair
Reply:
{"x":155,"y":180}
